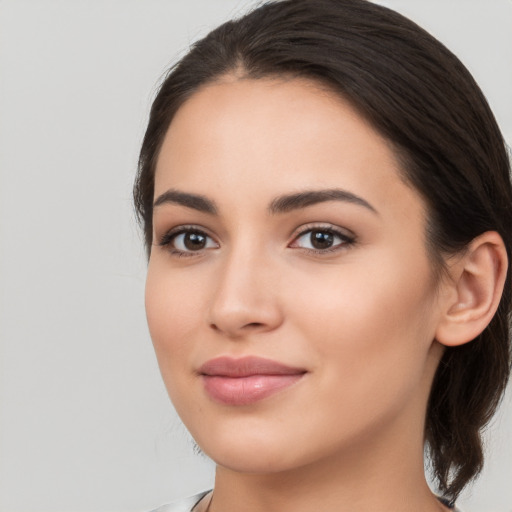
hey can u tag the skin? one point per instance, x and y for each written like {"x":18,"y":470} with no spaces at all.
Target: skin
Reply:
{"x":360,"y":319}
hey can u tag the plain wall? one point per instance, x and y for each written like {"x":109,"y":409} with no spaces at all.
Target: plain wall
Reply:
{"x":85,"y":421}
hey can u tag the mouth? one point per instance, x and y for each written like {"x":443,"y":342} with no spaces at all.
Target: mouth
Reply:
{"x":246,"y":380}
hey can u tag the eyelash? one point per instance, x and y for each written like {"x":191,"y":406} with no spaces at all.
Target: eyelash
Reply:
{"x":168,"y":238}
{"x":346,"y":240}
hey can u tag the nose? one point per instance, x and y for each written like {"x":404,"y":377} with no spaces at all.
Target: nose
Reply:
{"x":245,"y":300}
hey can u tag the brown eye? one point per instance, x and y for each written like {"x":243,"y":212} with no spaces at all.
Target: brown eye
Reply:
{"x":187,"y":241}
{"x":322,"y":240}
{"x":194,"y":241}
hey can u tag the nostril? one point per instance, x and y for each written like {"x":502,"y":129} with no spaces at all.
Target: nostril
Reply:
{"x":254,"y":325}
{"x":251,"y":325}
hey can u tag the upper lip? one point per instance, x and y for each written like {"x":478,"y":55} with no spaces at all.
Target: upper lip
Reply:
{"x":246,"y":366}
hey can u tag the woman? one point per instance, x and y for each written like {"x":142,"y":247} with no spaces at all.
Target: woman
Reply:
{"x":326,"y":203}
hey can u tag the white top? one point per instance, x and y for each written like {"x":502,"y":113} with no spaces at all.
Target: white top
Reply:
{"x":183,"y":505}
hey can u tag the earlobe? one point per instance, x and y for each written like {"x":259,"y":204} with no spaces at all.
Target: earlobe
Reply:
{"x":475,"y":288}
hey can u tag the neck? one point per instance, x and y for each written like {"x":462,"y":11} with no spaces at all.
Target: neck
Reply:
{"x":355,"y":483}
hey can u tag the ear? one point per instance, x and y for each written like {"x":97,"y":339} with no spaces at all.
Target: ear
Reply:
{"x":473,"y":291}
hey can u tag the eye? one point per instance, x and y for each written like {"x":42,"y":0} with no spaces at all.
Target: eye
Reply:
{"x":187,"y":240}
{"x":322,"y":239}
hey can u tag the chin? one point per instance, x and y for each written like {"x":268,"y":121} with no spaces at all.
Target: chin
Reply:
{"x":246,"y":448}
{"x":255,"y":460}
{"x":260,"y":448}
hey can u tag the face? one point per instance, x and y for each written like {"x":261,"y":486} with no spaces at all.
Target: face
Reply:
{"x":290,"y":297}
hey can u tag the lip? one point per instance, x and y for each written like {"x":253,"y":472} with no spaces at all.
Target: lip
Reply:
{"x":246,"y":380}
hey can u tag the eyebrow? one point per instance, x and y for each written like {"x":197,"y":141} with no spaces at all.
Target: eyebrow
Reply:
{"x":281,"y":204}
{"x":286,"y":203}
{"x":194,"y":201}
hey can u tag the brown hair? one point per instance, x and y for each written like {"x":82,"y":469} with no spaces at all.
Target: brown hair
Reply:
{"x":424,"y":101}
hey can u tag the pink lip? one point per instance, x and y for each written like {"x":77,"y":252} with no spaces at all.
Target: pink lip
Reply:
{"x":246,"y":380}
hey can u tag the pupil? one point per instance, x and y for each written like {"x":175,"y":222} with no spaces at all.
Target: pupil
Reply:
{"x":321,"y":239}
{"x":194,"y":241}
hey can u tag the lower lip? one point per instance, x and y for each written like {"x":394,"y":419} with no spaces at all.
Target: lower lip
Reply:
{"x":246,"y":390}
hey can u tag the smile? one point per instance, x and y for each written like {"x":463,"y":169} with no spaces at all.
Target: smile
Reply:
{"x":247,"y":380}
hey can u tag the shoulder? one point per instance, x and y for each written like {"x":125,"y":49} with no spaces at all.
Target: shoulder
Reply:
{"x":183,"y":505}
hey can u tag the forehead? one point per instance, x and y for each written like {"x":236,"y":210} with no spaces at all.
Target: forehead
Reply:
{"x":252,"y":138}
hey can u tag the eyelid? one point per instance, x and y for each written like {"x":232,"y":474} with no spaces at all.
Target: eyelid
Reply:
{"x":310,"y":226}
{"x":170,"y":235}
{"x":348,"y":237}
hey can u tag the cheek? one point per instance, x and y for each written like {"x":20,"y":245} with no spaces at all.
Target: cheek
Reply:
{"x":368,"y":328}
{"x":172,"y":310}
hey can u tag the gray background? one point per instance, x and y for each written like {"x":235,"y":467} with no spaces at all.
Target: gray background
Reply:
{"x":85,"y":421}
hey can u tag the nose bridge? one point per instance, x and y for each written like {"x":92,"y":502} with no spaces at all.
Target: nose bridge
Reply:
{"x":244,"y":299}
